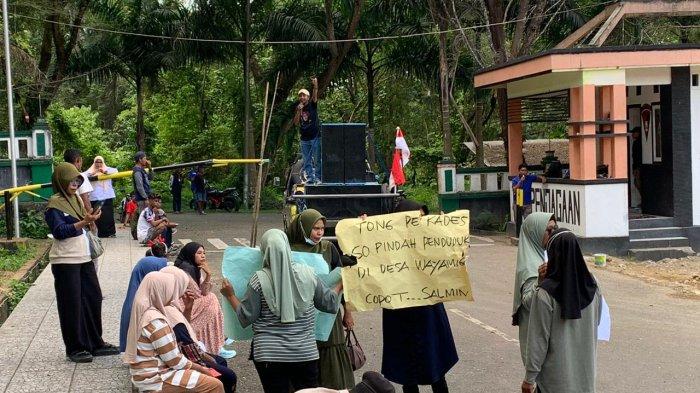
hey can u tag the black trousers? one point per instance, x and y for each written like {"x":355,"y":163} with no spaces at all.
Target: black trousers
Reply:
{"x":438,"y":387}
{"x":277,"y":377}
{"x":105,"y":224}
{"x":177,"y":201}
{"x":79,"y":301}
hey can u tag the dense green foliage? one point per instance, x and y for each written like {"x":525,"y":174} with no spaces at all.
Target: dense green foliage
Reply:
{"x":11,"y":260}
{"x":146,"y":77}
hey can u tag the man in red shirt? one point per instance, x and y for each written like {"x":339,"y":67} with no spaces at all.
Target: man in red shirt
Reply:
{"x":131,"y":214}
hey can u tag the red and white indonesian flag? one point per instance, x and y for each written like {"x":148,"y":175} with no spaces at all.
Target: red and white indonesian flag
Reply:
{"x":401,"y":156}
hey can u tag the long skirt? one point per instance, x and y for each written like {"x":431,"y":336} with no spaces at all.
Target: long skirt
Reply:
{"x":207,"y":319}
{"x":335,"y":370}
{"x":418,"y":345}
{"x":105,"y":224}
{"x":79,"y":302}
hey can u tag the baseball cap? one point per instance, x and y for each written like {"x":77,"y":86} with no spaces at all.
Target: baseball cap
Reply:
{"x":304,"y":91}
{"x":139,"y":155}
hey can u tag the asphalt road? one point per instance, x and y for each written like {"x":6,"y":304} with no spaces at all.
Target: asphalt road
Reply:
{"x":655,"y":344}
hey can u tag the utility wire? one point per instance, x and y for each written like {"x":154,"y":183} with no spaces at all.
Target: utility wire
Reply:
{"x":263,"y":42}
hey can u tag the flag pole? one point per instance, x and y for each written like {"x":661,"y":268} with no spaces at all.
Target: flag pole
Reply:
{"x":10,"y":112}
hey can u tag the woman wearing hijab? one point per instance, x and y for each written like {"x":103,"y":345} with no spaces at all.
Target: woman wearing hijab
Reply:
{"x":534,"y":234}
{"x":144,"y":266}
{"x":206,"y":316}
{"x":418,"y":345}
{"x":280,"y":304}
{"x":564,"y":318}
{"x":103,"y":195}
{"x":185,"y":335}
{"x":78,"y":293}
{"x":335,"y":370}
{"x":155,"y":361}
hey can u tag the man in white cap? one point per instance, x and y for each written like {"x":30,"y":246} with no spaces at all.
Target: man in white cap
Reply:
{"x":306,"y":117}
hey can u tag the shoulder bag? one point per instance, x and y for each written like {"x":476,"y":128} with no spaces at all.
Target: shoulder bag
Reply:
{"x":355,"y":351}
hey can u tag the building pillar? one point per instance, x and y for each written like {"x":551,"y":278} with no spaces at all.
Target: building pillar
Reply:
{"x":605,"y":113}
{"x":582,"y":150}
{"x":619,"y":150}
{"x":515,"y":136}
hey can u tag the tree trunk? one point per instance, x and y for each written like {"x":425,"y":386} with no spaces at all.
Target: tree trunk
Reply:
{"x":445,"y":101}
{"x":140,"y":130}
{"x":370,"y":111}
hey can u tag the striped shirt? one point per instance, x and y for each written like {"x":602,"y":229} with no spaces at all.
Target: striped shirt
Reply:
{"x":159,"y":360}
{"x":274,"y":341}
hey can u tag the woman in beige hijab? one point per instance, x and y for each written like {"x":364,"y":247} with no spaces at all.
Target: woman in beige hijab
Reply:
{"x":155,"y":361}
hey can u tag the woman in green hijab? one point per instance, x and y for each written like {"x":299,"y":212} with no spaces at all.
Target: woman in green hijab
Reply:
{"x":305,"y":232}
{"x":78,"y":293}
{"x":280,"y":304}
{"x":530,"y":269}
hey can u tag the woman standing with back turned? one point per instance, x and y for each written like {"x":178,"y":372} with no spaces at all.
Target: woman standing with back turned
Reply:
{"x":564,"y":317}
{"x":530,"y":269}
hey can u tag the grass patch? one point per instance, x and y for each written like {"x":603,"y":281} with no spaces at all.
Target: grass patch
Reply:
{"x":11,"y":261}
{"x":17,"y":291}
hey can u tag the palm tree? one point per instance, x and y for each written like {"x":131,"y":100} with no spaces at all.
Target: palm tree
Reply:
{"x":140,"y":54}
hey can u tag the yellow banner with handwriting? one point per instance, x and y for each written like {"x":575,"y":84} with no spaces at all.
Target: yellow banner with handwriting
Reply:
{"x":405,"y":260}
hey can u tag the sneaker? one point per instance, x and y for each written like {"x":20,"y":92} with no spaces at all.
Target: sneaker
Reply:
{"x":80,"y":357}
{"x":227,"y":353}
{"x":229,"y":341}
{"x":107,"y":349}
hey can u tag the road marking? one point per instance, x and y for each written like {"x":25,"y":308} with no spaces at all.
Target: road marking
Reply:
{"x":242,"y":241}
{"x":484,"y":326}
{"x":220,"y":245}
{"x":185,"y":241}
{"x":479,"y":245}
{"x":483,"y":239}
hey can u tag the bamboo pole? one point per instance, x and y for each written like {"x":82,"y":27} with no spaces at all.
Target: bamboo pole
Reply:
{"x":263,"y":142}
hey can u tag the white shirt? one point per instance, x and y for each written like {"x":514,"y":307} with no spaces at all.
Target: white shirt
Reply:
{"x":102,"y":189}
{"x":144,"y":223}
{"x":86,"y":187}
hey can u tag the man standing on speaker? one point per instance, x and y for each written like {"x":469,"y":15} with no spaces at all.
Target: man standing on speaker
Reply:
{"x":306,"y":117}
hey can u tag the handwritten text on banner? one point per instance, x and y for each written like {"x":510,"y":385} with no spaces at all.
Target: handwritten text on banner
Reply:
{"x":405,"y":260}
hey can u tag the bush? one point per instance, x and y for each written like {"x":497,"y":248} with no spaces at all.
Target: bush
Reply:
{"x":426,"y":195}
{"x":271,"y":199}
{"x":488,"y":221}
{"x":31,"y":225}
{"x":17,"y":291}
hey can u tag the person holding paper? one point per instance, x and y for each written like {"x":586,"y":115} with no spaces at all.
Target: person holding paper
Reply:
{"x":305,"y":233}
{"x":155,"y":362}
{"x":176,"y":314}
{"x":530,"y":269}
{"x":418,"y":345}
{"x":280,"y":304}
{"x":564,"y":318}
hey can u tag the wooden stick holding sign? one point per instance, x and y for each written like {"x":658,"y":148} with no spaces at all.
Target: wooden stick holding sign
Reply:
{"x":405,"y":260}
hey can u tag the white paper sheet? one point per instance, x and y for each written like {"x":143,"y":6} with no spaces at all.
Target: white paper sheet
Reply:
{"x":605,"y":324}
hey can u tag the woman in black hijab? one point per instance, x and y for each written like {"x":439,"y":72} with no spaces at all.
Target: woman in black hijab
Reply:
{"x":564,"y":318}
{"x":418,"y":345}
{"x":206,"y":316}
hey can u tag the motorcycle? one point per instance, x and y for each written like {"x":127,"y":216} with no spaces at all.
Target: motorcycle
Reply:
{"x":228,"y":199}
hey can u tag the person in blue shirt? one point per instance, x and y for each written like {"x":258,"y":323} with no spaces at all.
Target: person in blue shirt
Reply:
{"x":524,"y":182}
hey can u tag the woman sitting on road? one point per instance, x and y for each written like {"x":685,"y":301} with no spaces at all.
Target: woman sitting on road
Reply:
{"x":78,"y":293}
{"x":530,"y":269}
{"x":305,"y":233}
{"x":563,"y":327}
{"x":144,"y":266}
{"x":185,"y":335}
{"x":206,"y":318}
{"x":280,"y":303}
{"x":155,"y":362}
